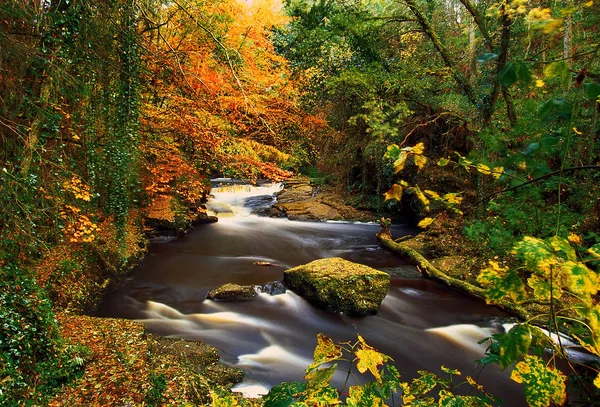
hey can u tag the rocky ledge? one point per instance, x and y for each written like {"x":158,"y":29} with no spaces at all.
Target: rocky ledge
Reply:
{"x":300,"y":200}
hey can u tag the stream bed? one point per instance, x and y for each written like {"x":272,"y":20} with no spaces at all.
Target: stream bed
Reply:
{"x":421,"y":324}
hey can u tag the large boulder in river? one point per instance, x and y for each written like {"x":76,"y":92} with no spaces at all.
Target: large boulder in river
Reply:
{"x":339,"y":285}
{"x":232,"y":292}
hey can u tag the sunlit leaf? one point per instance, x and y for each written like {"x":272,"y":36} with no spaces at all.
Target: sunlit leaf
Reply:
{"x":432,"y":194}
{"x":450,"y":371}
{"x":582,"y":280}
{"x":562,"y":247}
{"x":395,"y":192}
{"x":442,"y":162}
{"x":320,"y":377}
{"x":501,"y":283}
{"x":448,"y":399}
{"x":418,"y":148}
{"x":543,"y":384}
{"x":420,"y":161}
{"x":400,"y":162}
{"x":543,"y":289}
{"x":325,"y":351}
{"x":425,"y":223}
{"x":595,"y":251}
{"x":597,"y":381}
{"x":484,"y":169}
{"x":453,"y":198}
{"x":532,"y":251}
{"x":497,"y":172}
{"x":284,"y":394}
{"x":392,"y":152}
{"x":321,"y":397}
{"x":369,"y":359}
{"x":574,"y":238}
{"x":560,"y":70}
{"x":424,"y":383}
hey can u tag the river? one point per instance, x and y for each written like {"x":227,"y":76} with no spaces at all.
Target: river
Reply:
{"x":421,"y":324}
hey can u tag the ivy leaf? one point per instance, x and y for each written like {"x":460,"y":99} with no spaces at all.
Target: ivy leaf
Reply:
{"x":369,"y":359}
{"x":395,"y":192}
{"x":543,"y":384}
{"x":501,"y":283}
{"x":325,"y":351}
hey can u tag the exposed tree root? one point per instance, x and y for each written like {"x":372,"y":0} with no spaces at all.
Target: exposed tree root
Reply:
{"x":426,"y":268}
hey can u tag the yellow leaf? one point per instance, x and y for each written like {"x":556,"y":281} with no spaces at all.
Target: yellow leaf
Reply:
{"x":399,"y":163}
{"x":597,"y":379}
{"x":420,"y":161}
{"x":577,"y":131}
{"x":574,"y":238}
{"x":540,"y":83}
{"x":432,"y":194}
{"x":325,"y":351}
{"x":369,"y":358}
{"x":497,"y":172}
{"x":425,"y":223}
{"x":590,"y":4}
{"x":484,"y":169}
{"x":418,"y":149}
{"x":395,"y":192}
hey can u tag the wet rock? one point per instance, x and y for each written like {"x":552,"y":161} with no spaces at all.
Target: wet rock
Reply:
{"x":232,"y":292}
{"x":273,"y":288}
{"x":339,"y":285}
{"x":309,"y":210}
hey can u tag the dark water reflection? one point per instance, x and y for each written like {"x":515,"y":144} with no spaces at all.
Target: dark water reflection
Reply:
{"x":421,"y":324}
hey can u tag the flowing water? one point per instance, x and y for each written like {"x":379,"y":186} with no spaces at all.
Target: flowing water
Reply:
{"x":421,"y":324}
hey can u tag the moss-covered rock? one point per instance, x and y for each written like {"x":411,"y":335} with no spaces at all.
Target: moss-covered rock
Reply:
{"x":339,"y":285}
{"x":232,"y":292}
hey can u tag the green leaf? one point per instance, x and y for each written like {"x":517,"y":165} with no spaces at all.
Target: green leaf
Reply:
{"x":323,"y":396}
{"x":366,"y":396}
{"x":325,"y":351}
{"x":543,"y":384}
{"x":320,"y":377}
{"x":582,"y":280}
{"x":532,"y":252}
{"x":554,"y":109}
{"x":448,"y":399}
{"x":514,"y":71}
{"x":486,"y":57}
{"x":282,"y":395}
{"x":392,"y":152}
{"x":592,"y":90}
{"x":558,"y":70}
{"x":442,"y":162}
{"x":508,"y":75}
{"x":425,"y":383}
{"x":595,"y":251}
{"x":541,"y":288}
{"x":513,"y":344}
{"x":501,"y":283}
{"x":562,"y":247}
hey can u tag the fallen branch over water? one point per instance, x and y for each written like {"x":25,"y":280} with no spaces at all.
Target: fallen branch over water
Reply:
{"x":426,"y":268}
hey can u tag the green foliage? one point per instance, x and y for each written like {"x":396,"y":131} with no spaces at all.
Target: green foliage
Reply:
{"x":155,"y":395}
{"x":317,"y":390}
{"x":34,"y":362}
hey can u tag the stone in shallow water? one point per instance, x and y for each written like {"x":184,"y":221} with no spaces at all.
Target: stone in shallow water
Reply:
{"x":339,"y":285}
{"x":232,"y":292}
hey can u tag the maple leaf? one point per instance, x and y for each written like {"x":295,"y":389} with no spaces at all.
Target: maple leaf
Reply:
{"x":369,"y":359}
{"x":325,"y":351}
{"x":395,"y":192}
{"x":543,"y":384}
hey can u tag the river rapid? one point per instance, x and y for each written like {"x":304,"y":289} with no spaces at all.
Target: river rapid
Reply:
{"x":421,"y":324}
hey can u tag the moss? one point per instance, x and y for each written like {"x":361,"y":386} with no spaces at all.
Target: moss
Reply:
{"x":232,"y":292}
{"x":338,"y":285}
